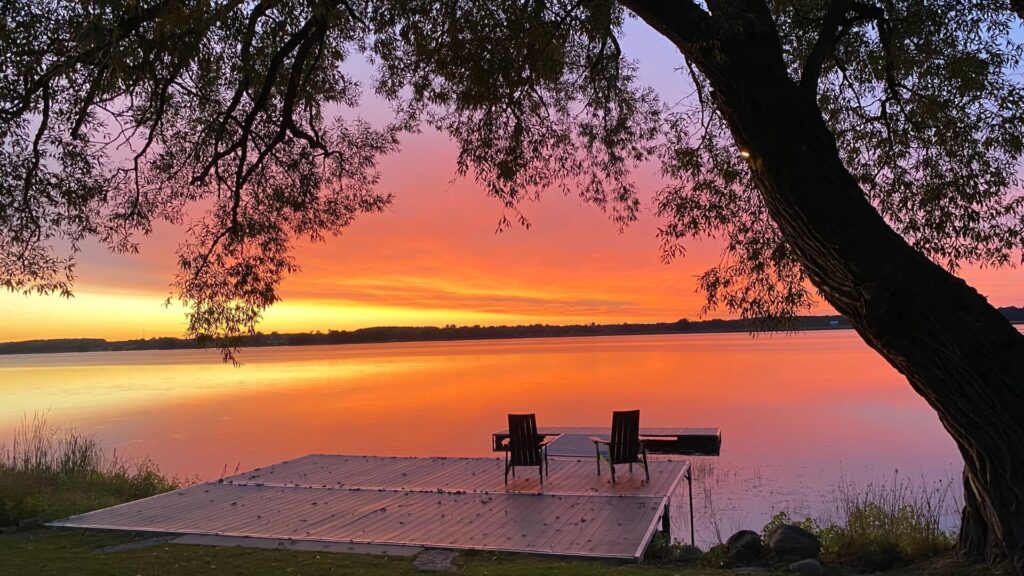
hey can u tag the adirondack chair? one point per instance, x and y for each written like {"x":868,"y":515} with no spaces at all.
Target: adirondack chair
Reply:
{"x":625,"y":445}
{"x":524,"y":446}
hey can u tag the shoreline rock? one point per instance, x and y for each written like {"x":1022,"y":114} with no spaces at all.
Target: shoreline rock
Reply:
{"x":807,"y":566}
{"x":744,"y":547}
{"x":792,"y":542}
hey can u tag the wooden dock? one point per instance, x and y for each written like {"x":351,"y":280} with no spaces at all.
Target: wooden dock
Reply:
{"x":459,"y":503}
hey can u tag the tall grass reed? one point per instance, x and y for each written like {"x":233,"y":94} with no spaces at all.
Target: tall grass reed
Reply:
{"x":48,"y":473}
{"x":887,"y":523}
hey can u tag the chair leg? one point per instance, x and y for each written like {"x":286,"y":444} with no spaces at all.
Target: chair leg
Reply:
{"x":597,"y":450}
{"x":506,"y":471}
{"x":647,"y":473}
{"x":613,"y":471}
{"x":630,"y":467}
{"x":540,"y":468}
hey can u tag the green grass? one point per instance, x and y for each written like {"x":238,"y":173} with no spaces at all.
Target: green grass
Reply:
{"x":48,"y":473}
{"x":63,"y":551}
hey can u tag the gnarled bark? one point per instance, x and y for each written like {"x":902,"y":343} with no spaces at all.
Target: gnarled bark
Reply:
{"x":955,"y":349}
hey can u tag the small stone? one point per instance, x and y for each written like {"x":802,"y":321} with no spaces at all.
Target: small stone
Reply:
{"x":435,"y":561}
{"x":807,"y":566}
{"x":793,"y":542}
{"x":744,"y":547}
{"x":29,"y":523}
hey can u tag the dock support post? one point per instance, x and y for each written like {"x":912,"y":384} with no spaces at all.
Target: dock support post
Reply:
{"x":689,"y":483}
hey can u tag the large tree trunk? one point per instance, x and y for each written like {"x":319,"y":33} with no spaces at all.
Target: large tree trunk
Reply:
{"x":955,"y":349}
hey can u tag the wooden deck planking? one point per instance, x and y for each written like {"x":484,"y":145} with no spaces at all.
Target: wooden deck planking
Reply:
{"x":321,"y":470}
{"x":484,"y":475}
{"x":577,"y":523}
{"x":486,"y":527}
{"x":432,"y":502}
{"x":419,"y":512}
{"x":566,"y":523}
{"x":492,"y":523}
{"x":454,"y":522}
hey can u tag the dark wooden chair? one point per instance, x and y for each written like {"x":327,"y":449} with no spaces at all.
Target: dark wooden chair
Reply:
{"x":524,"y":447}
{"x":625,"y":445}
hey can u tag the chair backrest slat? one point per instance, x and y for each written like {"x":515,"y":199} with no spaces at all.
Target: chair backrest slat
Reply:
{"x":625,"y":440}
{"x":523,"y":441}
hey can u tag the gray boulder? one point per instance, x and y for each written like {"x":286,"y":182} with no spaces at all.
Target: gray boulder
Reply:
{"x":807,"y":566}
{"x":688,"y":553}
{"x":789,"y":541}
{"x":744,"y":546}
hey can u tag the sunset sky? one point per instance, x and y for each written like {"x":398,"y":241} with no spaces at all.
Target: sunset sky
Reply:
{"x":433,"y":259}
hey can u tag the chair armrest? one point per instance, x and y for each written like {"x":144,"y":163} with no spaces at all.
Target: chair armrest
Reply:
{"x":545,"y":440}
{"x":597,"y":440}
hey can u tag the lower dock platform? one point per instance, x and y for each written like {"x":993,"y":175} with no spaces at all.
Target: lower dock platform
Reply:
{"x":458,"y":503}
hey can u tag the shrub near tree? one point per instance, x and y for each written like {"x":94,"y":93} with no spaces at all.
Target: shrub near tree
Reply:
{"x":867,"y":148}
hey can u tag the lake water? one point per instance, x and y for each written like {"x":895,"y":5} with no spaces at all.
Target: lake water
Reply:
{"x":799,"y":413}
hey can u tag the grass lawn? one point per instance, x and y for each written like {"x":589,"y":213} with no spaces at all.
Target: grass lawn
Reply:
{"x":62,"y":551}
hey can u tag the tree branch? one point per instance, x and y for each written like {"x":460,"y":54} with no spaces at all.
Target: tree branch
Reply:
{"x":684,"y":23}
{"x":1018,"y":8}
{"x":824,"y":47}
{"x":841,"y":16}
{"x":130,"y":24}
{"x":33,"y":169}
{"x":260,"y":103}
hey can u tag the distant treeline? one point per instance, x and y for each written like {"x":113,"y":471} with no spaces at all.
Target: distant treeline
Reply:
{"x":384,"y":334}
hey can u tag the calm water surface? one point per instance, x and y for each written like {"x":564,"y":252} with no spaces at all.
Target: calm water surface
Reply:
{"x":798,"y":413}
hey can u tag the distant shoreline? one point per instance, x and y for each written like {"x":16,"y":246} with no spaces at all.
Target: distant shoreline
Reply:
{"x":390,"y":334}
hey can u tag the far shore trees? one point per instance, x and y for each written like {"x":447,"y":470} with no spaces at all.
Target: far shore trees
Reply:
{"x":866,"y":147}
